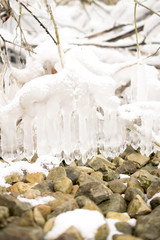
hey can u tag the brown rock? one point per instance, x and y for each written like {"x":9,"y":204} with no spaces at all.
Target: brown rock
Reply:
{"x":127,"y":167}
{"x":132,"y":192}
{"x":63,"y":185}
{"x":4,"y":214}
{"x":38,"y":217}
{"x":86,"y":203}
{"x":155,"y":202}
{"x":19,"y":188}
{"x":35,"y":177}
{"x":27,"y":219}
{"x":119,"y":216}
{"x":56,"y":173}
{"x":102,"y":232}
{"x":49,"y":225}
{"x":70,"y":234}
{"x":138,"y":158}
{"x":32,"y":193}
{"x":14,"y":177}
{"x":125,"y":237}
{"x":117,"y":186}
{"x":138,"y":207}
{"x":124,"y":227}
{"x":153,"y":189}
{"x":45,"y":210}
{"x":45,"y":187}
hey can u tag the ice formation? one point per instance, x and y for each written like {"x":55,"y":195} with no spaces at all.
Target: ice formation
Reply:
{"x":74,"y":112}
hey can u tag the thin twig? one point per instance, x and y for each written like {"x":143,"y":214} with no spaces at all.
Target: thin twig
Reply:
{"x":142,"y":5}
{"x":56,"y":32}
{"x":41,"y":24}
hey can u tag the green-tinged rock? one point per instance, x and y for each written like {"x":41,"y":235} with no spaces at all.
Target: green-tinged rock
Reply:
{"x":14,"y":177}
{"x":132,"y":192}
{"x":70,"y":234}
{"x":63,"y":185}
{"x":86,"y":203}
{"x":56,"y":173}
{"x":124,"y":227}
{"x":115,"y":203}
{"x":145,"y":178}
{"x":148,"y":227}
{"x":102,"y":232}
{"x":16,"y":207}
{"x":96,"y":191}
{"x":125,"y":237}
{"x":117,"y":186}
{"x":4,"y":214}
{"x":45,"y":187}
{"x":21,"y":233}
{"x":155,"y":202}
{"x":100,"y":163}
{"x":138,"y":207}
{"x":127,"y":167}
{"x":153,"y":189}
{"x":138,"y":158}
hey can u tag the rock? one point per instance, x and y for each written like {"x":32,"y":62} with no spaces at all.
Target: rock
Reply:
{"x":63,"y":207}
{"x":14,"y":177}
{"x":15,"y":206}
{"x":134,"y":183}
{"x":124,"y":227}
{"x":117,"y":186}
{"x":45,"y":187}
{"x":4,"y":214}
{"x":38,"y":217}
{"x":127,"y":167}
{"x":3,"y":190}
{"x":132,"y":192}
{"x":56,"y":173}
{"x":73,"y":172}
{"x":45,"y":210}
{"x":118,"y":161}
{"x":153,"y":189}
{"x":85,"y":178}
{"x":102,"y":232}
{"x":147,"y":227}
{"x":74,"y":190}
{"x":155,"y":161}
{"x":138,"y":207}
{"x":119,"y":216}
{"x":86,"y":203}
{"x":19,"y":188}
{"x":155,"y":202}
{"x":32,"y":193}
{"x":49,"y":225}
{"x":115,"y":203}
{"x":96,"y":191}
{"x":35,"y":177}
{"x":63,"y":185}
{"x":70,"y":234}
{"x":98,"y":175}
{"x":100,"y":163}
{"x":138,"y":158}
{"x":145,"y":178}
{"x":22,"y":233}
{"x":125,"y":237}
{"x":27,"y":219}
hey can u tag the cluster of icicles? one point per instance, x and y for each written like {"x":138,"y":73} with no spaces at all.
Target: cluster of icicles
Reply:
{"x":73,"y":114}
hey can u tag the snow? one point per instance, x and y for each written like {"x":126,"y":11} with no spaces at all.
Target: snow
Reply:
{"x":36,"y":201}
{"x":86,"y":221}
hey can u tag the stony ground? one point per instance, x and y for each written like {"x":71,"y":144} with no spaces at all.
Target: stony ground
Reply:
{"x":127,"y":183}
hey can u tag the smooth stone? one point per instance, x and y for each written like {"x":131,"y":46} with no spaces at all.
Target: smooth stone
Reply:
{"x":138,"y":158}
{"x":132,"y":192}
{"x":45,"y":187}
{"x":38,"y":217}
{"x":14,"y":177}
{"x":86,"y":203}
{"x":153,"y":189}
{"x":35,"y":177}
{"x":49,"y":225}
{"x":56,"y":173}
{"x":127,"y":167}
{"x":119,"y":216}
{"x":124,"y":227}
{"x":155,"y":202}
{"x":19,"y":188}
{"x":63,"y":185}
{"x":102,"y":232}
{"x":125,"y":237}
{"x":4,"y":214}
{"x":117,"y":186}
{"x":70,"y":234}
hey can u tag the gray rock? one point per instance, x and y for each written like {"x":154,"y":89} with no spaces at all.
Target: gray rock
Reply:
{"x":73,"y":173}
{"x":147,"y":227}
{"x":47,"y":186}
{"x":153,"y":189}
{"x":155,"y":202}
{"x":138,"y":158}
{"x":124,"y":227}
{"x":115,"y":203}
{"x":86,"y":203}
{"x":63,"y":185}
{"x":117,"y":186}
{"x":96,"y":191}
{"x":21,"y":233}
{"x":15,"y":206}
{"x":127,"y":167}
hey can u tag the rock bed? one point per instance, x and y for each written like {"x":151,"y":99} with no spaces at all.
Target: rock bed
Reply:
{"x":128,"y":184}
